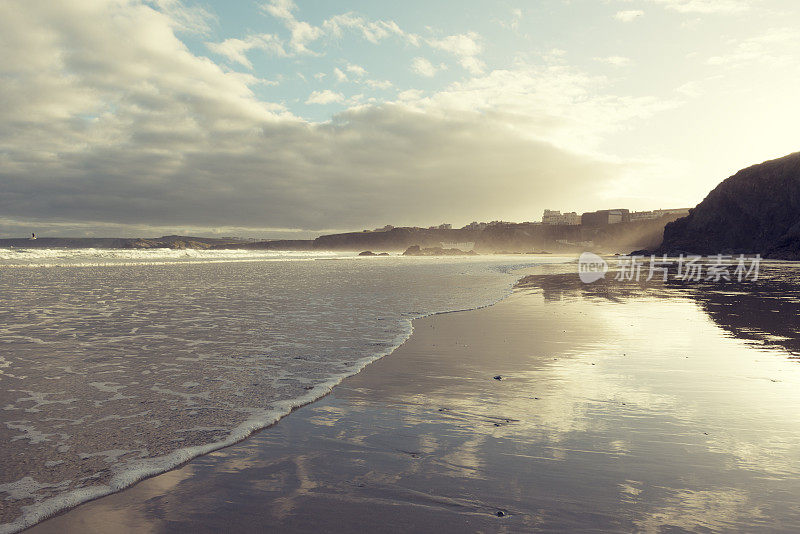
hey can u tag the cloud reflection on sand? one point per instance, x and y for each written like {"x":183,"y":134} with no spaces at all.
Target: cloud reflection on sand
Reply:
{"x":632,"y":411}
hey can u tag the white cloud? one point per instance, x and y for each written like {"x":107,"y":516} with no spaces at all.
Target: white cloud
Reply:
{"x":465,"y":47}
{"x":326,"y":96}
{"x":466,"y":44}
{"x":372,"y":31}
{"x":302,"y":33}
{"x":617,"y":61}
{"x":281,"y":9}
{"x":358,"y":70}
{"x":629,"y":15}
{"x":707,"y":6}
{"x":771,"y":48}
{"x":379,"y":84}
{"x":472,"y":64}
{"x":548,"y":103}
{"x":340,"y":75}
{"x":191,"y":19}
{"x":236,"y":49}
{"x":410,"y":95}
{"x":516,"y":17}
{"x":423,"y":67}
{"x":691,"y":89}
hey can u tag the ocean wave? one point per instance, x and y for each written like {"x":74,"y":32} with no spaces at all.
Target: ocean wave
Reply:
{"x":87,"y":257}
{"x":141,"y":368}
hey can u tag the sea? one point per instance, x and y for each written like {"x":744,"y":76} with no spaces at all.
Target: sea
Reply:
{"x":116,"y":365}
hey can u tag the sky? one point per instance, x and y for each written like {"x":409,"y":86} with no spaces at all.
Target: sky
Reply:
{"x":281,"y":118}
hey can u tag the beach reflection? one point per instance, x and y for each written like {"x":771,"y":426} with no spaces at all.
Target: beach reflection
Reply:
{"x":619,"y":408}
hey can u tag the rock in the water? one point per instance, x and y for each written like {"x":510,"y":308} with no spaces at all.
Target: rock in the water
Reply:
{"x":367,"y":253}
{"x":416,"y":250}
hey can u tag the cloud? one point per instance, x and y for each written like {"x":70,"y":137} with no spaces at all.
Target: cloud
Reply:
{"x":629,"y":15}
{"x":550,"y":103}
{"x":372,"y":31}
{"x":340,"y":75}
{"x":707,"y":6}
{"x":378,"y":84}
{"x":357,"y":70}
{"x":423,"y":67}
{"x":692,"y":89}
{"x":108,"y":118}
{"x":617,"y":61}
{"x":465,"y":47}
{"x":189,"y":19}
{"x":775,"y":47}
{"x":326,"y":96}
{"x":235,"y":50}
{"x":302,"y":33}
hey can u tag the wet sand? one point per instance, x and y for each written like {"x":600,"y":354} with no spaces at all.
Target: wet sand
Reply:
{"x":611,"y":414}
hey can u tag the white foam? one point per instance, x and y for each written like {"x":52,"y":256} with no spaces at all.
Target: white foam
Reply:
{"x":87,"y":257}
{"x":326,"y":370}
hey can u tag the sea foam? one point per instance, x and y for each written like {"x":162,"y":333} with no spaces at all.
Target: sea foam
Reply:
{"x":119,"y":371}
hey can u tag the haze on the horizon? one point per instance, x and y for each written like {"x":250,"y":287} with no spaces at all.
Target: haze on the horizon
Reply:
{"x":280,"y":118}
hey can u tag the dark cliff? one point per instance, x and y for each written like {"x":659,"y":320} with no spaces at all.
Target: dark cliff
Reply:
{"x":397,"y":239}
{"x":755,"y":211}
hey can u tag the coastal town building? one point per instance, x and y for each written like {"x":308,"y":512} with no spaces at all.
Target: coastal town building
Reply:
{"x":657,"y":214}
{"x":605,"y":217}
{"x":556,"y":217}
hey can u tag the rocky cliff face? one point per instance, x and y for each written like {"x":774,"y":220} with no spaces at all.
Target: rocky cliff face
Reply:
{"x":755,"y":211}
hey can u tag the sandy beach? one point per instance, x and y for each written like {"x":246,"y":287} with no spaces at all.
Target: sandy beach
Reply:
{"x":554,"y":410}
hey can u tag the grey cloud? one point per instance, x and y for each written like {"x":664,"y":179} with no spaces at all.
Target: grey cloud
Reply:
{"x":139,"y":131}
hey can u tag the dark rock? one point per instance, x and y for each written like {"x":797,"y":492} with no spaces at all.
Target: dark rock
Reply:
{"x":498,"y":377}
{"x":416,"y":250}
{"x":367,"y":253}
{"x":755,"y":211}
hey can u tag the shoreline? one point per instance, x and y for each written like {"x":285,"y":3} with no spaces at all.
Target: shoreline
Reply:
{"x":147,"y":469}
{"x":592,"y":426}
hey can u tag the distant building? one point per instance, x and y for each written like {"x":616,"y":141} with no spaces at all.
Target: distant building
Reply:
{"x":475,"y":226}
{"x":605,"y":217}
{"x":556,"y":217}
{"x":657,"y":214}
{"x":641,"y":215}
{"x":682,"y":212}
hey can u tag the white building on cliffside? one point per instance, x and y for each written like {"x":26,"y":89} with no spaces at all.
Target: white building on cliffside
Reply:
{"x":556,"y":217}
